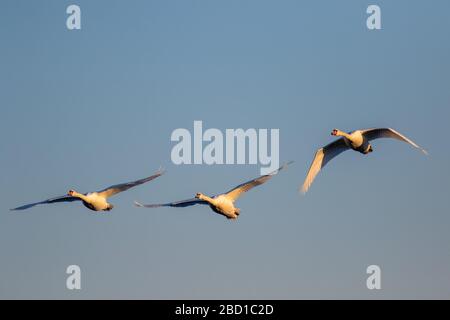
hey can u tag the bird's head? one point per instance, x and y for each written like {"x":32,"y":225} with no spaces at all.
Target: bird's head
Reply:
{"x":370,"y":148}
{"x":71,"y":193}
{"x":334,"y":132}
{"x":199,"y":195}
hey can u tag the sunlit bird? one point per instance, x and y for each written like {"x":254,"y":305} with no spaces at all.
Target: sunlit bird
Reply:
{"x":222,"y":204}
{"x":358,"y":140}
{"x":96,"y":201}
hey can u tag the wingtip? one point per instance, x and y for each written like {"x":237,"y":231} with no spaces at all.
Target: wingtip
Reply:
{"x":284,"y":166}
{"x":302,"y":191}
{"x":137,"y":204}
{"x":18,"y":208}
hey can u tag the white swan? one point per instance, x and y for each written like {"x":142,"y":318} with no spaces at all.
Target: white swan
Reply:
{"x":358,"y":140}
{"x":96,"y":201}
{"x":224,"y":203}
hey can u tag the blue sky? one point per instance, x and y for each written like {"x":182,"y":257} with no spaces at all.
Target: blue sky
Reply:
{"x":90,"y":108}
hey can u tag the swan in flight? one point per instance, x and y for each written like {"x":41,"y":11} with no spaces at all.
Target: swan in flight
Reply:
{"x":96,"y":201}
{"x":222,"y":204}
{"x":358,"y":140}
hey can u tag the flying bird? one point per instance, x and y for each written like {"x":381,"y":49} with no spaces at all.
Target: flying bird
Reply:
{"x":222,"y":204}
{"x":358,"y":140}
{"x":96,"y":201}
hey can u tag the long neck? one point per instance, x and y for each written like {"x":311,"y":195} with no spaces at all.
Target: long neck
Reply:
{"x":343,"y":134}
{"x":207,"y":199}
{"x":80,"y":196}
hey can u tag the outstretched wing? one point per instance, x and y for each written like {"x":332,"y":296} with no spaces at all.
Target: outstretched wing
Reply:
{"x":110,"y":191}
{"x":376,"y":133}
{"x":178,"y":204}
{"x":48,"y":201}
{"x":322,"y":157}
{"x":242,"y":188}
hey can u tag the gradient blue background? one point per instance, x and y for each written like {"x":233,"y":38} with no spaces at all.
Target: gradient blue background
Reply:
{"x":90,"y":108}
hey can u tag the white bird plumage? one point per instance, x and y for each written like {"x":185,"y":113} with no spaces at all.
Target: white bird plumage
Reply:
{"x":358,"y":140}
{"x":222,"y":204}
{"x":96,"y":201}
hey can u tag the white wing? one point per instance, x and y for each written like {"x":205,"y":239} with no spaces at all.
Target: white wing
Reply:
{"x":110,"y":191}
{"x":178,"y":204}
{"x":323,"y":155}
{"x":242,"y":188}
{"x":48,"y":201}
{"x":376,"y":133}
